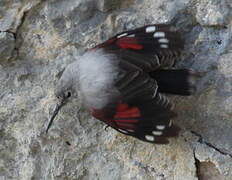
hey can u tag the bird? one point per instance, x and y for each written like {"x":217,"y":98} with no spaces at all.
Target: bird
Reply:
{"x":125,"y":80}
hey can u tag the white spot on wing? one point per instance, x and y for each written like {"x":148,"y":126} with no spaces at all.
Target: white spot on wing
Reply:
{"x":172,"y":107}
{"x":157,"y":133}
{"x":150,"y":29}
{"x":150,"y":138}
{"x":160,"y":127}
{"x":157,"y":59}
{"x":170,"y":123}
{"x":163,"y":40}
{"x":165,"y":46}
{"x":130,"y":130}
{"x":159,"y":35}
{"x":122,"y":35}
{"x":131,"y":35}
{"x":123,"y":131}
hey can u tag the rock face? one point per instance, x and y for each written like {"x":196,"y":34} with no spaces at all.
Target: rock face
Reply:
{"x":39,"y":38}
{"x":7,"y":44}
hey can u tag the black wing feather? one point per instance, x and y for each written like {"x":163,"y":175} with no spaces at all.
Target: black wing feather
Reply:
{"x":145,"y":49}
{"x":140,"y":91}
{"x":151,"y":40}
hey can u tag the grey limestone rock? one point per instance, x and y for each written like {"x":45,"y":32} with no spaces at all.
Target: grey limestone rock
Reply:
{"x":12,"y":13}
{"x":213,"y":13}
{"x":51,"y":34}
{"x":7,"y":44}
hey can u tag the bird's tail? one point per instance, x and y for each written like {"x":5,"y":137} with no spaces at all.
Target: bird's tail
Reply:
{"x":176,"y":81}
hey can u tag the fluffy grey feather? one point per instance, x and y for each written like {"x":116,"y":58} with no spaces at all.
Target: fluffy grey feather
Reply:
{"x":92,"y":77}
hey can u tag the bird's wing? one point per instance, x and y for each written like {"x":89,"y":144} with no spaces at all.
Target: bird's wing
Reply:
{"x":141,"y":111}
{"x":161,"y":44}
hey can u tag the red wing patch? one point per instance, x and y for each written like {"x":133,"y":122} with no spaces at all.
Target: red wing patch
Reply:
{"x":124,"y":111}
{"x":129,"y":43}
{"x":123,"y":118}
{"x":126,"y":117}
{"x":103,"y":115}
{"x":123,"y":42}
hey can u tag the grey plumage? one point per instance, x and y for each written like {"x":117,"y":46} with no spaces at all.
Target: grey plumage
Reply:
{"x":92,"y":77}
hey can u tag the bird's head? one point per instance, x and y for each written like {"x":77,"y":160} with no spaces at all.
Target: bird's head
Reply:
{"x":64,"y":90}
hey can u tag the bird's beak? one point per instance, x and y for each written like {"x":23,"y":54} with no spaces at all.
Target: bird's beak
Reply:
{"x":57,"y":109}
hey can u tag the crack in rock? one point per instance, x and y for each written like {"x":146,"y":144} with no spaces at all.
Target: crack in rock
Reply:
{"x":197,"y":164}
{"x":7,"y":45}
{"x":17,"y":30}
{"x":23,"y":18}
{"x":10,"y":32}
{"x":202,"y":141}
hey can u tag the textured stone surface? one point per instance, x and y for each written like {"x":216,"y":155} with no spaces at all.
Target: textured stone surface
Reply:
{"x":13,"y":12}
{"x":213,"y":13}
{"x":7,"y":44}
{"x":48,"y":35}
